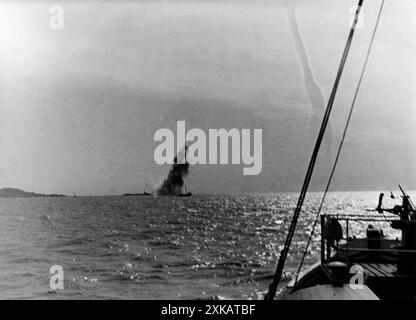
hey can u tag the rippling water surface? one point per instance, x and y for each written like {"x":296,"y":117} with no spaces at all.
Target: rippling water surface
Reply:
{"x":204,"y":246}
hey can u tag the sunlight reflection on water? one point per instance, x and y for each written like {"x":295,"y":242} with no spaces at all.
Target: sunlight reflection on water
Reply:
{"x":205,"y":246}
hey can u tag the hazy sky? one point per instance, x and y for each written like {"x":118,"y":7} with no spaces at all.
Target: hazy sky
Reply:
{"x":79,"y":107}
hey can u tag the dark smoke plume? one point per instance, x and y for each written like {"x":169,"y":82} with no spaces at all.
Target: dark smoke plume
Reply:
{"x":173,"y":184}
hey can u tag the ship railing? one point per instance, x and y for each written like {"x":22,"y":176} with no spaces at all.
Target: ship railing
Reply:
{"x":374,"y":246}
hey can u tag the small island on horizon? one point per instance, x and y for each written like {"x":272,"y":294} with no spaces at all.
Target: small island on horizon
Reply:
{"x":18,"y":193}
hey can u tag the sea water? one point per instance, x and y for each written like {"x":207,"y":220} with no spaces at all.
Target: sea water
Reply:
{"x":199,"y":247}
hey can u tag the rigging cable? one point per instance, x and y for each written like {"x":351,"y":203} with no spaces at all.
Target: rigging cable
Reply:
{"x":342,"y":140}
{"x":283,"y":255}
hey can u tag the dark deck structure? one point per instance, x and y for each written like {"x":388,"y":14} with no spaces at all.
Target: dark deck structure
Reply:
{"x":362,"y":268}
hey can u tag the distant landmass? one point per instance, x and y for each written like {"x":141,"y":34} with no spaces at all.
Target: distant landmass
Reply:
{"x":17,"y":193}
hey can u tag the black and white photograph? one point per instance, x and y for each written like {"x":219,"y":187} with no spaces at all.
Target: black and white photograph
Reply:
{"x":208,"y":150}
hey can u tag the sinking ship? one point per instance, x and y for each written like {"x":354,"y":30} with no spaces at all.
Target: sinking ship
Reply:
{"x":173,"y":184}
{"x":186,"y":193}
{"x":369,"y":267}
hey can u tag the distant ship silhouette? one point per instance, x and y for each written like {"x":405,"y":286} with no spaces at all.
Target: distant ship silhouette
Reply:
{"x":145,"y":193}
{"x":186,"y":194}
